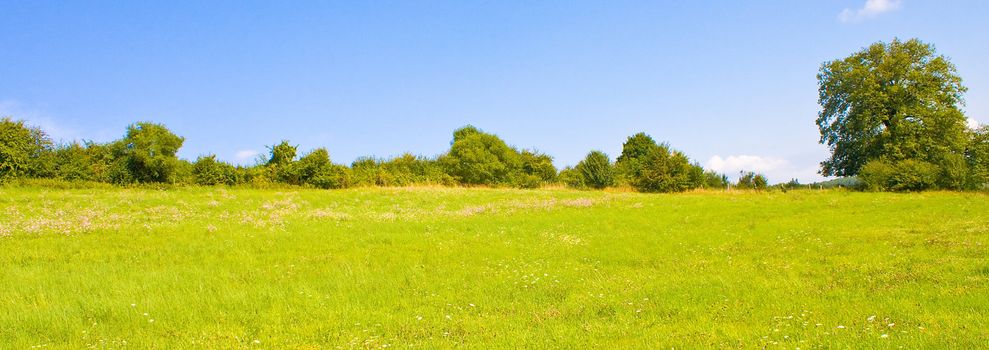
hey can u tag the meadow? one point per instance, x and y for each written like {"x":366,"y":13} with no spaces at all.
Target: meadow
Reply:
{"x":491,"y":268}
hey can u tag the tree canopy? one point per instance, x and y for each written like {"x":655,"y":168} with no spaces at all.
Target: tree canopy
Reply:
{"x":892,"y":101}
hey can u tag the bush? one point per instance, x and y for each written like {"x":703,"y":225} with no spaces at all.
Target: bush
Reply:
{"x":330,"y":177}
{"x":73,"y":162}
{"x":752,"y":181}
{"x":977,"y":157}
{"x":209,"y":172}
{"x":664,"y":171}
{"x":595,"y":171}
{"x":149,"y":151}
{"x":478,"y":158}
{"x":20,"y":148}
{"x":651,"y":167}
{"x":538,"y":165}
{"x":906,"y":175}
{"x":571,"y":177}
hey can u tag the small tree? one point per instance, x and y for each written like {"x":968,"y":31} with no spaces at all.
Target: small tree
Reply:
{"x":282,"y":154}
{"x":752,"y":181}
{"x":595,"y":171}
{"x":478,"y":158}
{"x":149,"y":150}
{"x":20,"y":148}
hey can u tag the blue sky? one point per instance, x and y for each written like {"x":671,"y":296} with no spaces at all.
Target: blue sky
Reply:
{"x":730,"y":83}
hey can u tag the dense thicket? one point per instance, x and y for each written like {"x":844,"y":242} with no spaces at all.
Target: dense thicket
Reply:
{"x":148,"y":154}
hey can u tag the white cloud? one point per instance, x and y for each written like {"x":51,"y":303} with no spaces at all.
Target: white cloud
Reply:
{"x":871,"y":9}
{"x":734,"y":164}
{"x":245,"y":155}
{"x":973,"y":124}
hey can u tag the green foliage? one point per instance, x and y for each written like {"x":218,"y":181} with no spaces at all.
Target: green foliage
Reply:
{"x":479,"y":158}
{"x":595,"y":171}
{"x":73,"y":162}
{"x":538,"y":166}
{"x":651,"y":167}
{"x":752,"y":181}
{"x":571,"y":177}
{"x":208,"y":171}
{"x":307,"y":167}
{"x":330,"y":176}
{"x":282,"y":154}
{"x":20,"y":148}
{"x":977,"y":157}
{"x":635,"y":150}
{"x":904,"y":175}
{"x":712,"y":179}
{"x":149,"y":152}
{"x":894,"y":101}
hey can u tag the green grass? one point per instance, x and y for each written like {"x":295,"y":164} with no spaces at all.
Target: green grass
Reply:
{"x":444,"y":268}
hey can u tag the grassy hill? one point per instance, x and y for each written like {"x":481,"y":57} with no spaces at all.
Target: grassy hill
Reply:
{"x":443,"y":268}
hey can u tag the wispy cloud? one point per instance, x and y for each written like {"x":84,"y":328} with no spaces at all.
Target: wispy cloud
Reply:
{"x":871,"y":9}
{"x":57,"y":131}
{"x":245,"y":155}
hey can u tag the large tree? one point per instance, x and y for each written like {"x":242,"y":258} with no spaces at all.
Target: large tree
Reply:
{"x":892,"y":101}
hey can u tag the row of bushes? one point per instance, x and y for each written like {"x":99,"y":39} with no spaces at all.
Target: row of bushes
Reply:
{"x":147,"y":154}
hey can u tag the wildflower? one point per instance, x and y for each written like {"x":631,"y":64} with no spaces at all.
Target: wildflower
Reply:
{"x":884,"y":336}
{"x":257,"y":341}
{"x":841,"y":327}
{"x":872,"y":318}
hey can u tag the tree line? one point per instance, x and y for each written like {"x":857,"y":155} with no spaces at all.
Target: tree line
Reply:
{"x":890,"y":116}
{"x":147,"y":153}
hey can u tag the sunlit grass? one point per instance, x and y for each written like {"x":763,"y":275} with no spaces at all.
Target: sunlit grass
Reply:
{"x":439,"y":267}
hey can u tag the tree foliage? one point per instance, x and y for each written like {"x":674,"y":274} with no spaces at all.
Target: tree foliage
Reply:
{"x":479,"y":158}
{"x":892,"y":101}
{"x":21,"y":147}
{"x":149,"y":151}
{"x":595,"y":171}
{"x":652,"y":167}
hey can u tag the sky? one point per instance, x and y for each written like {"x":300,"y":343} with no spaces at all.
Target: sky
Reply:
{"x":732,"y":84}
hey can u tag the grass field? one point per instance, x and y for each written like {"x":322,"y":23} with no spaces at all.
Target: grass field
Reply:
{"x":444,"y":268}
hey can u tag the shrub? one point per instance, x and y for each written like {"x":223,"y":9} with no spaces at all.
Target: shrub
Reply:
{"x":330,"y":176}
{"x":282,"y":154}
{"x":595,"y":171}
{"x":20,"y":147}
{"x":478,"y":158}
{"x":714,"y":180}
{"x":149,"y":151}
{"x":538,"y":165}
{"x":208,"y":171}
{"x":905,"y":175}
{"x":571,"y":177}
{"x":977,"y":157}
{"x":651,"y":167}
{"x":752,"y":181}
{"x":663,"y":171}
